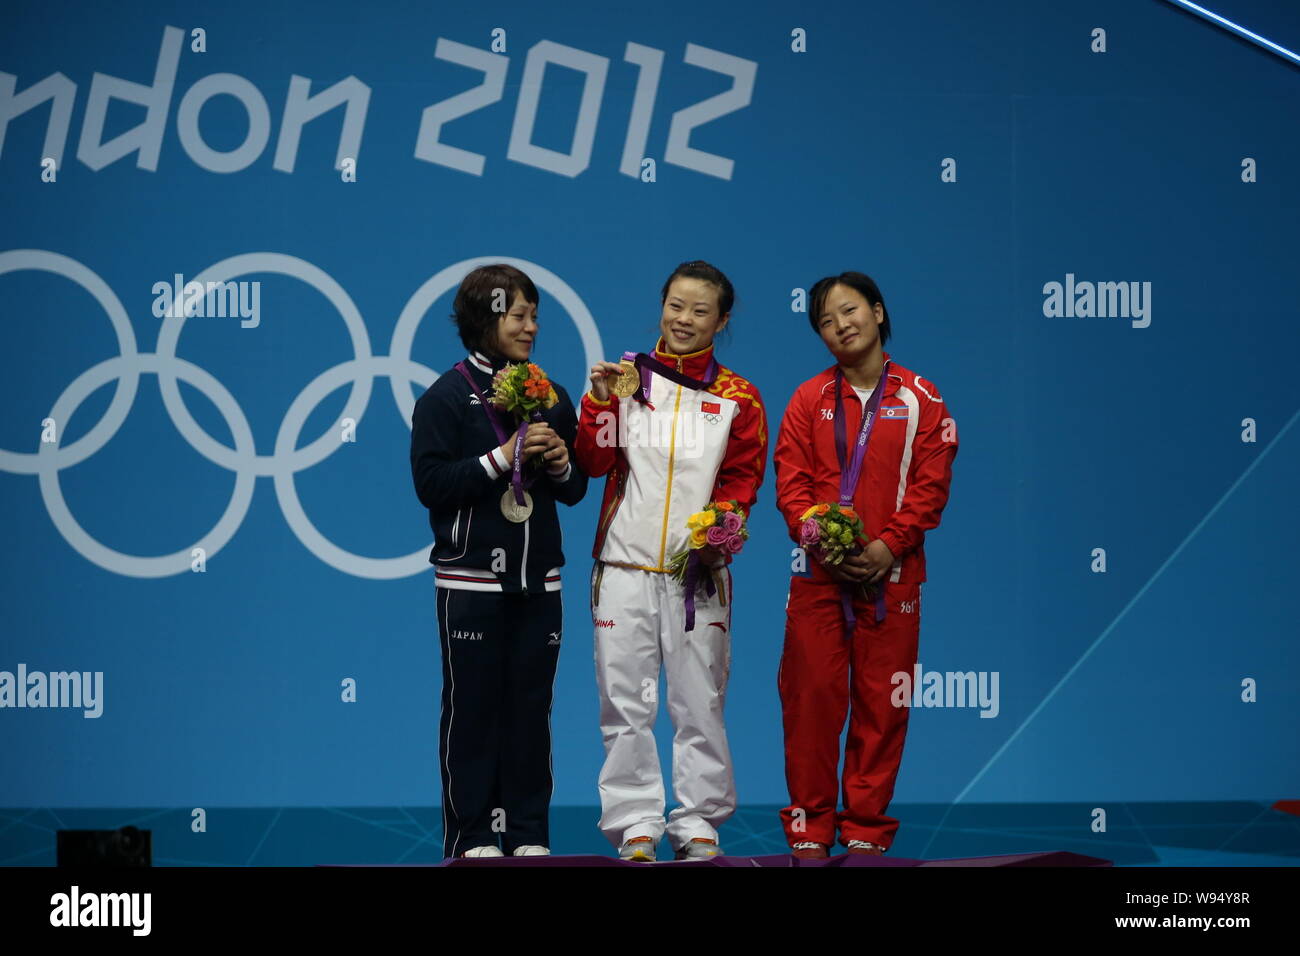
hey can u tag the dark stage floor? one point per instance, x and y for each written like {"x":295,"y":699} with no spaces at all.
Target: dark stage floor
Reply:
{"x":1236,"y":833}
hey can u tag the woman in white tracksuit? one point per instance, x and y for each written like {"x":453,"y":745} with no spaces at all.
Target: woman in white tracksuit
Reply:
{"x":693,"y":433}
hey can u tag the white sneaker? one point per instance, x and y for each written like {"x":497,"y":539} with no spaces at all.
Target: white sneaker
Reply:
{"x":641,"y":849}
{"x":531,"y":850}
{"x":700,"y":848}
{"x":864,"y":846}
{"x":480,"y":851}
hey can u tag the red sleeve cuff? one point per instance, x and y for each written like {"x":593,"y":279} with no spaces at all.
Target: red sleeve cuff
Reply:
{"x":894,"y":542}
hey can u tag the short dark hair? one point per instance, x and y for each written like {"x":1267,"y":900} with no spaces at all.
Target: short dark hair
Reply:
{"x":858,"y":281}
{"x":472,"y":310}
{"x":699,"y":269}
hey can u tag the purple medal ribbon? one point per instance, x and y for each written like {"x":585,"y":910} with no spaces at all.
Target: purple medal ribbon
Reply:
{"x":645,"y":364}
{"x":849,"y":477}
{"x":517,"y":480}
{"x":689,"y":584}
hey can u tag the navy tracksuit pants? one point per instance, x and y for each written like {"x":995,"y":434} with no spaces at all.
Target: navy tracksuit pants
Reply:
{"x":499,"y":653}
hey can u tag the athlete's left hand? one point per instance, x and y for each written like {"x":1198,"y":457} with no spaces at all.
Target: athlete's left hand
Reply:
{"x":879,"y":560}
{"x":556,"y":455}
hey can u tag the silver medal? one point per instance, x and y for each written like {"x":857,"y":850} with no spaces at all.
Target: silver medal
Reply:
{"x":512,"y":510}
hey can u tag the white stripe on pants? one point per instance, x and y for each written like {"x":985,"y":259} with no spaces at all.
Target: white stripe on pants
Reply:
{"x":640,"y":621}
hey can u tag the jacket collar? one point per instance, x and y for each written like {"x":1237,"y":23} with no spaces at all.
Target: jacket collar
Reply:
{"x":488,"y":365}
{"x":693,"y":364}
{"x":891,"y":384}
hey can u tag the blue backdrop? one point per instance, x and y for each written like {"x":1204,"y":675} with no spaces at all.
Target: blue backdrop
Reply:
{"x":965,"y":155}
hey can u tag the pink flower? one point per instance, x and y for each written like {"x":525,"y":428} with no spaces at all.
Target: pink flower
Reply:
{"x":734,"y":543}
{"x":731,"y":521}
{"x":715,"y":535}
{"x":810,"y":531}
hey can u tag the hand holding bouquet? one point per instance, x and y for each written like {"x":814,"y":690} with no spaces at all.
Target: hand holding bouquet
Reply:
{"x":719,"y":528}
{"x":523,"y":389}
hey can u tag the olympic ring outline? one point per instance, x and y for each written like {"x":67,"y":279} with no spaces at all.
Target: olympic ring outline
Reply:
{"x":134,"y":566}
{"x":286,"y":460}
{"x":40,"y":260}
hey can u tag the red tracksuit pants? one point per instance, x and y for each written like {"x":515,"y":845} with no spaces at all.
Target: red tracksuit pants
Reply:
{"x":826,"y":677}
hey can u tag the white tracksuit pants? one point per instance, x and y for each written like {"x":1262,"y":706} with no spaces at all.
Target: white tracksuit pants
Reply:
{"x":639,"y":619}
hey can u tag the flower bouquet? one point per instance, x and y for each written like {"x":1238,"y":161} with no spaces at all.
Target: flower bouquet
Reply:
{"x":524,"y":389}
{"x":720,"y":526}
{"x":829,"y":532}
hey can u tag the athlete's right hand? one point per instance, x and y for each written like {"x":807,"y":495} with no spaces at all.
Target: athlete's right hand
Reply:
{"x":600,"y":374}
{"x":851,"y":570}
{"x":536,"y":440}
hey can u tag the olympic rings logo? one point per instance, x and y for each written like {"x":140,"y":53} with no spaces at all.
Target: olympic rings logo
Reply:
{"x":287,"y":459}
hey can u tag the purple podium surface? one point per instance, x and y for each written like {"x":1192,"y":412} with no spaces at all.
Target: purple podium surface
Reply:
{"x":782,"y":860}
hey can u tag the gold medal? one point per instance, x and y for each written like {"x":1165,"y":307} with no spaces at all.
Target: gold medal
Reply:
{"x":628,"y":381}
{"x":513,"y":510}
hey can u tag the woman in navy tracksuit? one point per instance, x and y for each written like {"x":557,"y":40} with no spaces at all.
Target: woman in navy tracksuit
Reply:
{"x":497,"y":566}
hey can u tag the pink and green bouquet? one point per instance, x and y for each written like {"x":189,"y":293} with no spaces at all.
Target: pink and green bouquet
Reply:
{"x":829,"y":532}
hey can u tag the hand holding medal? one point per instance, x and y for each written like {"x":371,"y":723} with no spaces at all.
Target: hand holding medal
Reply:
{"x":617,"y":378}
{"x":629,"y":378}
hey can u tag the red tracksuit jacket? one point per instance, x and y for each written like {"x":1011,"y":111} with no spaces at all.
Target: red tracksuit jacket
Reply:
{"x":905,"y":478}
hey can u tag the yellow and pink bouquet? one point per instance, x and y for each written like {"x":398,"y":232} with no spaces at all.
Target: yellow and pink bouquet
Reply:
{"x":721,"y":527}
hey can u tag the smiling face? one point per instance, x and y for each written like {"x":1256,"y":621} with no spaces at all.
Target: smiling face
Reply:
{"x":517,"y":329}
{"x":849,"y":324}
{"x":690,"y":317}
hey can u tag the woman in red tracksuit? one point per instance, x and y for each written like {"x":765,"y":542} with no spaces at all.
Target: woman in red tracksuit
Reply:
{"x":835,"y":664}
